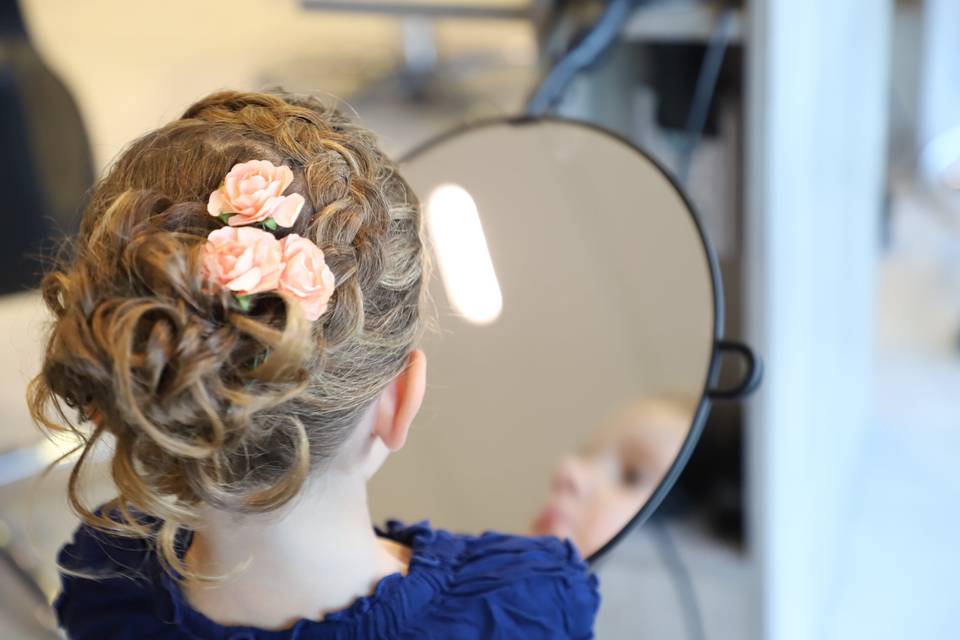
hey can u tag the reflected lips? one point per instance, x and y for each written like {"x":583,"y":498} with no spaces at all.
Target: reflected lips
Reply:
{"x":550,"y":520}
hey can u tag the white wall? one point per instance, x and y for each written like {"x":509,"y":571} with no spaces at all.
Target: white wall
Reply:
{"x":816,"y":152}
{"x":940,"y":77}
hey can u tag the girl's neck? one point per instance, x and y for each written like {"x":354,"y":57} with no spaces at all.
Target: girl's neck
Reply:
{"x":317,"y":556}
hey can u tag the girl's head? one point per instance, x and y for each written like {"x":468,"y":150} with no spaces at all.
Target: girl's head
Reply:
{"x":214,"y":403}
{"x":597,"y":491}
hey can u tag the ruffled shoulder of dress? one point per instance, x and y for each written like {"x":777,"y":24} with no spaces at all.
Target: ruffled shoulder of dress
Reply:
{"x":512,"y":556}
{"x":503,"y":570}
{"x":427,"y":544}
{"x":112,"y":575}
{"x":517,"y":556}
{"x":547,"y":573}
{"x":101,"y":553}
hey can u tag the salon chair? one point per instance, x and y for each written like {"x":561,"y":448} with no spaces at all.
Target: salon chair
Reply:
{"x":46,"y":165}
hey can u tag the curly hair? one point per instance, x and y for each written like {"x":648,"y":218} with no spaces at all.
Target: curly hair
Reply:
{"x":208,"y":404}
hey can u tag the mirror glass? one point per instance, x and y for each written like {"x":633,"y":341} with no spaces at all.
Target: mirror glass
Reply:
{"x":575,"y":321}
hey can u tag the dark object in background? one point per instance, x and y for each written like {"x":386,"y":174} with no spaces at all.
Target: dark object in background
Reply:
{"x":711,"y":486}
{"x":45,"y":161}
{"x":673,"y":73}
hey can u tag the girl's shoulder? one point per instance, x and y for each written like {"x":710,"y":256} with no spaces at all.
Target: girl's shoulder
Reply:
{"x":491,"y":585}
{"x":522,"y":586}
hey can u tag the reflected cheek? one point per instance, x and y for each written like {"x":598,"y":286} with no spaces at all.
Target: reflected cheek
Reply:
{"x":604,"y":518}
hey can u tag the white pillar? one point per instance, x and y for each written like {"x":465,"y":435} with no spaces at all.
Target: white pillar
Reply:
{"x":938,"y":103}
{"x":816,"y":132}
{"x":940,"y":69}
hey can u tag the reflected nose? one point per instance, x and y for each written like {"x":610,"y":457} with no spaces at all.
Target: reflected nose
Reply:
{"x":571,"y":477}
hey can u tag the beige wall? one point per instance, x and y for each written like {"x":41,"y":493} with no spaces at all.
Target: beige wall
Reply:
{"x":134,"y":65}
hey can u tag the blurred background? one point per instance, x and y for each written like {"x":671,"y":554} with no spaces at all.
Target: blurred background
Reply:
{"x":825,"y":168}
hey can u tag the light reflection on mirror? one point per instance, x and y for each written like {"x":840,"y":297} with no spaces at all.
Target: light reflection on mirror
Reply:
{"x":462,"y":254}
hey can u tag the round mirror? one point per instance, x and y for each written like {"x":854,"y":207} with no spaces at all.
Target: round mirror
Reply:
{"x":576,"y":305}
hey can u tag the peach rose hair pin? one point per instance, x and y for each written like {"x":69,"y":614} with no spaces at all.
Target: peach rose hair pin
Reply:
{"x":247,"y":259}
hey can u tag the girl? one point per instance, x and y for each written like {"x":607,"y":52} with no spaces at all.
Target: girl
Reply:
{"x":240,"y":313}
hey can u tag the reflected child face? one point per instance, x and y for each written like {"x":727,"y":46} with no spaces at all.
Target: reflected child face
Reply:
{"x":595,"y":492}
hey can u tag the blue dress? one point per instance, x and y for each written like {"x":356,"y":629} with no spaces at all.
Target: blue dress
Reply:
{"x":459,"y":587}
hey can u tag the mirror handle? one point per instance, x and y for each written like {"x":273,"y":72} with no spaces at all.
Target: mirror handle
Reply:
{"x":751,"y":377}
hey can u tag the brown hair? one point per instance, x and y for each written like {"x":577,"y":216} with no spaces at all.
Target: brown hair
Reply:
{"x":209,"y":404}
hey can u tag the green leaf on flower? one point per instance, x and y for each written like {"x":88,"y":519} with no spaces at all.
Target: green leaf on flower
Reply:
{"x":270,"y":224}
{"x":224,"y":217}
{"x":245,"y":303}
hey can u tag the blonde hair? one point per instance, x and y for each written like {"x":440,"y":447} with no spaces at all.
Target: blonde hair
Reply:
{"x":209,"y":404}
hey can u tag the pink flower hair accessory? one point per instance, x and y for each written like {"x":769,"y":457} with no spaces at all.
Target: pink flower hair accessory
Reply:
{"x":306,"y":276}
{"x":252,"y":192}
{"x":245,"y":261}
{"x":248,"y":260}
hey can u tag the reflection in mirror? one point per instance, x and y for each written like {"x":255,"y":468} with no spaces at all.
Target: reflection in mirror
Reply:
{"x":596,"y":490}
{"x":575,"y":321}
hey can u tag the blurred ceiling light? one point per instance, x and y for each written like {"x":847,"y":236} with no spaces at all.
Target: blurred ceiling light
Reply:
{"x":462,"y":254}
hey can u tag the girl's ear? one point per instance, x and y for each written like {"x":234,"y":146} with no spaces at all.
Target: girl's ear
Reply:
{"x":401,"y":401}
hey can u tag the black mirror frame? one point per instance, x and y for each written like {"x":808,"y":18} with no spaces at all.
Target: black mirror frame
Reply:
{"x":718,"y":345}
